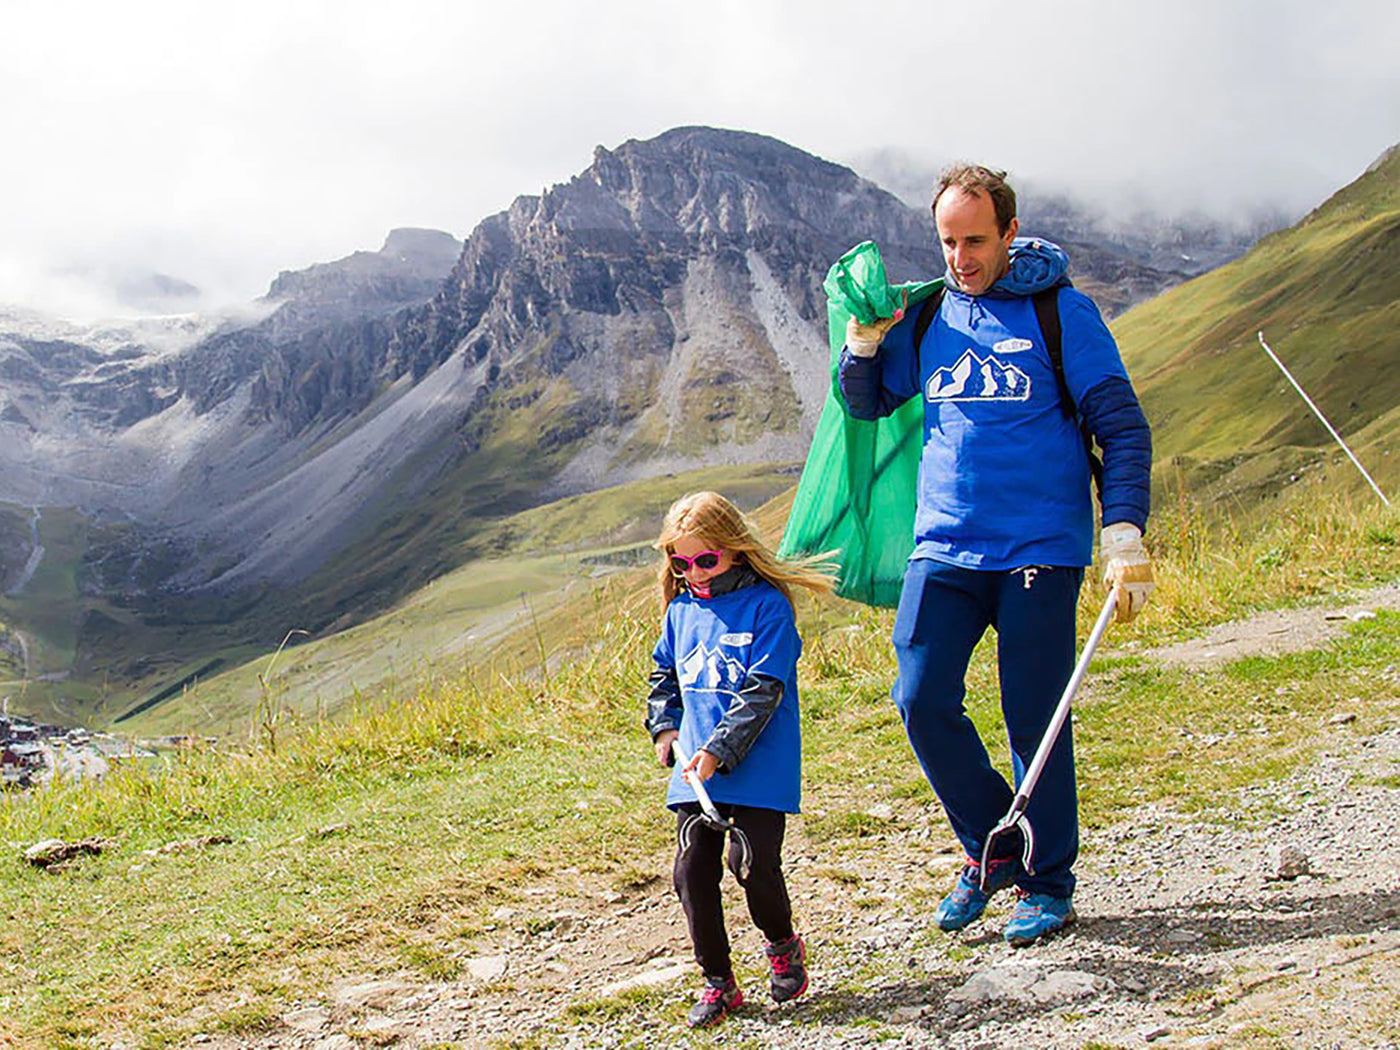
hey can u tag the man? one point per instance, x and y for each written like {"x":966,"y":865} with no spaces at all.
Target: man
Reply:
{"x":1003,"y":531}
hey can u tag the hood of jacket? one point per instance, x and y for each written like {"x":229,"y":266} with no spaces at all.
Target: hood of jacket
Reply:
{"x":1036,"y":265}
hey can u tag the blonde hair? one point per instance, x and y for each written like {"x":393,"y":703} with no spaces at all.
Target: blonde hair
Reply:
{"x":713,"y":520}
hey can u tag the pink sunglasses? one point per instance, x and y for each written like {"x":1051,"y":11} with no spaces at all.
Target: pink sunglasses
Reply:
{"x":680,"y":564}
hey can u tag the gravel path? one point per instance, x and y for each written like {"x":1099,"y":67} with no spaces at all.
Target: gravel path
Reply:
{"x":1277,"y":926}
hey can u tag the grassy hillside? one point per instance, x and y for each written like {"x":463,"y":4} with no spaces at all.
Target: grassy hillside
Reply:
{"x":521,"y":590}
{"x":235,"y":882}
{"x":1326,"y":295}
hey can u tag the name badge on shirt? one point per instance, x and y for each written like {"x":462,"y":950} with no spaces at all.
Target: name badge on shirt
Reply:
{"x":1012,"y":346}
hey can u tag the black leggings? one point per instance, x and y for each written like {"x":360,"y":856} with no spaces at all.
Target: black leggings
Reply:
{"x":698,"y":871}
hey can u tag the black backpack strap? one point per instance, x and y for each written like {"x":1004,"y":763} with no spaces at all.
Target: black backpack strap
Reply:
{"x":928,"y":310}
{"x":1047,"y":313}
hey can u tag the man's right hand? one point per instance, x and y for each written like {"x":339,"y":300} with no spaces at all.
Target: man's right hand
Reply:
{"x":1127,"y":567}
{"x":862,"y":340}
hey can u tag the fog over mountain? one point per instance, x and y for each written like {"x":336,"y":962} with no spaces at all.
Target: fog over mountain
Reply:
{"x":219,"y":146}
{"x":1188,"y":239}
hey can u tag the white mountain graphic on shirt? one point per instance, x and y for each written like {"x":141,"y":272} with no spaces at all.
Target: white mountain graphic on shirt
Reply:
{"x":979,"y":379}
{"x":706,"y":668}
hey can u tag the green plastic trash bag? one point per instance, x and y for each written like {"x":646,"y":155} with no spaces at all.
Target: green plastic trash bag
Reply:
{"x":856,"y":496}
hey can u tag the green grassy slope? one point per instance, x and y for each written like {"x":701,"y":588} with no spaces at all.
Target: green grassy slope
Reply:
{"x":49,"y":613}
{"x":1326,"y":295}
{"x":384,"y":845}
{"x":522,"y":589}
{"x":90,"y":655}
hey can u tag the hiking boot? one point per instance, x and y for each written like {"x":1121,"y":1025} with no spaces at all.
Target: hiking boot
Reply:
{"x":968,"y":900}
{"x":1037,"y":915}
{"x":717,"y":998}
{"x":788,"y":960}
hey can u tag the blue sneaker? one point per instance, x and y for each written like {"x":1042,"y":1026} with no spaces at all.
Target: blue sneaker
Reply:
{"x":968,"y":900}
{"x":1037,"y":915}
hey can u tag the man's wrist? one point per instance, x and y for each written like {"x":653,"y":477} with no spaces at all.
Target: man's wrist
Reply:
{"x":1120,"y":537}
{"x":860,"y":348}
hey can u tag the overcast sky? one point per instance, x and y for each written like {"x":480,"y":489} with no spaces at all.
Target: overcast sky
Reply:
{"x":223,"y":143}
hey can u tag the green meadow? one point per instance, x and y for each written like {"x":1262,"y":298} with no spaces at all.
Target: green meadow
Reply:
{"x":381,"y":839}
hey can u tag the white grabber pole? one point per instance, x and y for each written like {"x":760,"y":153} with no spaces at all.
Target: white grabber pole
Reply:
{"x":710,"y":815}
{"x":1318,"y":412}
{"x":1016,"y":815}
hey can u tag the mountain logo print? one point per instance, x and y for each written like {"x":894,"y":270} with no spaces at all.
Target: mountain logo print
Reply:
{"x":710,"y":670}
{"x":978,"y":379}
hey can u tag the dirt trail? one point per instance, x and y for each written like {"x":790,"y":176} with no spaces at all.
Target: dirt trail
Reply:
{"x":1277,"y":631}
{"x":1187,"y":935}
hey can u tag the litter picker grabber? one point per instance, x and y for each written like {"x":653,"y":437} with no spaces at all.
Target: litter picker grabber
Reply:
{"x":1016,"y":816}
{"x":710,"y":815}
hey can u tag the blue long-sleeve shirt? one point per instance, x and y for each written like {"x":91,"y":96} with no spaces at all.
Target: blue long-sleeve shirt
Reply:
{"x":1004,"y":477}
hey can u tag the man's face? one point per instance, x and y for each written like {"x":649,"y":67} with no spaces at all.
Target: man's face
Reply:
{"x":976,"y":252}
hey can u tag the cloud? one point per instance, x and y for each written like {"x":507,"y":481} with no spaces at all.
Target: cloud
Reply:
{"x":224,"y":143}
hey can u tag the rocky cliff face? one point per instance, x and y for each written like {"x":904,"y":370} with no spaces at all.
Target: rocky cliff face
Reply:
{"x":660,"y":310}
{"x":666,"y":292}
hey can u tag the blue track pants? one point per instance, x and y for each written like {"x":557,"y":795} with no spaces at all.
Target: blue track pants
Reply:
{"x":943,"y":612}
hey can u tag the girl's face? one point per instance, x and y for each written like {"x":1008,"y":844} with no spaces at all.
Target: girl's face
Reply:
{"x":690,"y":548}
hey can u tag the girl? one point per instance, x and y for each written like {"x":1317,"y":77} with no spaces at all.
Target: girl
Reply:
{"x":726,"y":684}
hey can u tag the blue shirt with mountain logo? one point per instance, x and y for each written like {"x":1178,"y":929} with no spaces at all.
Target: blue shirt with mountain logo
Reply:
{"x":1004,"y":474}
{"x":726,"y":652}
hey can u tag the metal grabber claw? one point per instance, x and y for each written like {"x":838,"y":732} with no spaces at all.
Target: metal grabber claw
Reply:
{"x":1015,"y":818}
{"x":710,"y":815}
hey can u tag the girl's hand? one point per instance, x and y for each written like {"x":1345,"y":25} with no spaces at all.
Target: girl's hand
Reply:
{"x":703,"y":764}
{"x":663,"y":746}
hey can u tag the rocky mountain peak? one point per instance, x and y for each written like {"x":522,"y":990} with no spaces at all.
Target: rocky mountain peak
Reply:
{"x":435,"y":249}
{"x":408,"y":268}
{"x":618,"y":237}
{"x":709,"y":181}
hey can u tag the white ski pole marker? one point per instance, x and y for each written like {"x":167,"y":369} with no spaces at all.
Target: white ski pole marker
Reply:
{"x":1318,"y":412}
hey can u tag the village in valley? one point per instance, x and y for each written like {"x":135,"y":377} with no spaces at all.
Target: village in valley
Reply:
{"x":33,"y":753}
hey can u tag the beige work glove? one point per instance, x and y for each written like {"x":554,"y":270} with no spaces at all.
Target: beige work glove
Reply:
{"x":1126,"y":565}
{"x":862,"y":340}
